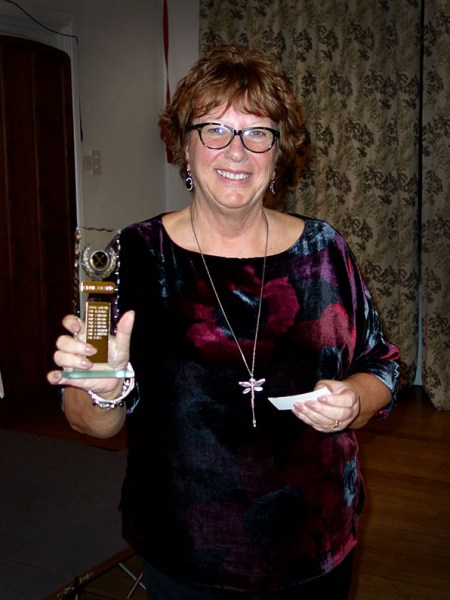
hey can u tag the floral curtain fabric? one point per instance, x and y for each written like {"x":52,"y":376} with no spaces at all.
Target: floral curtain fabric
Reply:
{"x":356,"y":66}
{"x":435,"y":255}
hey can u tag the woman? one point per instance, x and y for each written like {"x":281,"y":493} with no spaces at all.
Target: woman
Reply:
{"x":225,"y":496}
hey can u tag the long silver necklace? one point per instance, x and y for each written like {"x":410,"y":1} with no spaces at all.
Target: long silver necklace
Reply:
{"x":252,"y":385}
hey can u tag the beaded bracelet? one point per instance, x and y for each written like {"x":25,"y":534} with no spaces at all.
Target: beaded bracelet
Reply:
{"x":127,"y":388}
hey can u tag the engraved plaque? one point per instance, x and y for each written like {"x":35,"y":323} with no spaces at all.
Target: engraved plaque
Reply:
{"x":98,"y":319}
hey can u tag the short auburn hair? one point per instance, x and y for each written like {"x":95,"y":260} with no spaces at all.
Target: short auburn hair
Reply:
{"x":238,"y":77}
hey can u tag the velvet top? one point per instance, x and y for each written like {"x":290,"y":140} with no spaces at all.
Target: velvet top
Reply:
{"x":207,"y":497}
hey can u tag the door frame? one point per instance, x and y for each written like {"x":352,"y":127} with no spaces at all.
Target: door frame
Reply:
{"x":16,"y":23}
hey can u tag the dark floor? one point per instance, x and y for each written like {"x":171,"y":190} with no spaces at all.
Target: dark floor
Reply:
{"x":404,"y":551}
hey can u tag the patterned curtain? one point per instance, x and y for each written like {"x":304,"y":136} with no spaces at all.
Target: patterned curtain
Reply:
{"x":356,"y":67}
{"x":435,"y":255}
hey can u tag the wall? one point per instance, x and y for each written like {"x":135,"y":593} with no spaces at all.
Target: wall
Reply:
{"x":183,"y":52}
{"x":120,"y":83}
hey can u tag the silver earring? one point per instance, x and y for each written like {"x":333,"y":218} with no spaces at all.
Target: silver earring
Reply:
{"x":272,"y":184}
{"x":189,"y":181}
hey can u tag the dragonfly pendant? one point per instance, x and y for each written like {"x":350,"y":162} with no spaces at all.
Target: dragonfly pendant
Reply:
{"x":250,"y":387}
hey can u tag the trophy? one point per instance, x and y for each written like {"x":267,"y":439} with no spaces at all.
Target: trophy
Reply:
{"x":100,"y":311}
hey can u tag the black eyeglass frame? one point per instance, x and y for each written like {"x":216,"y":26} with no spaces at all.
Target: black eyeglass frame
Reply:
{"x":240,"y":132}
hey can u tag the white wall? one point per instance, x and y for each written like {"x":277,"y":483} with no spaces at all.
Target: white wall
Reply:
{"x":120,"y":77}
{"x":183,"y":52}
{"x":120,"y":84}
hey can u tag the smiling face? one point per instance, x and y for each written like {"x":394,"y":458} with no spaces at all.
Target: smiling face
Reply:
{"x":232,"y":177}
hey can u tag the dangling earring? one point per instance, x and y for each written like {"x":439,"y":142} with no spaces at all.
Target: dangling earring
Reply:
{"x":189,"y":181}
{"x":272,"y":184}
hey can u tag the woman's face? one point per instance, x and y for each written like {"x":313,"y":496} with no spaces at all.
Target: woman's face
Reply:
{"x":232,"y":177}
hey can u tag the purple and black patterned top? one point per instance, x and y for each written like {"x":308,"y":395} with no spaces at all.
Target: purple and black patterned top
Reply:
{"x":208,"y":498}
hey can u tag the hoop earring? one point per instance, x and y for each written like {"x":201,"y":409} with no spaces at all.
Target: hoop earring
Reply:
{"x":189,"y":181}
{"x":272,"y":184}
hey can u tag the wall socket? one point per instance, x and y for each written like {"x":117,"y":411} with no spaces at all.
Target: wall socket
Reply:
{"x":96,"y":162}
{"x":92,"y":162}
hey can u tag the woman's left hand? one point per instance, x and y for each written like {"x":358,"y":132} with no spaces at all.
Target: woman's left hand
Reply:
{"x":334,"y":411}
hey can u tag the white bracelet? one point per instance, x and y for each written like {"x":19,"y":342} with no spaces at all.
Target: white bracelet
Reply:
{"x":127,"y":388}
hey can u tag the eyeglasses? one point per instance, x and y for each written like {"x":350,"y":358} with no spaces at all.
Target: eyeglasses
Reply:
{"x":217,"y":136}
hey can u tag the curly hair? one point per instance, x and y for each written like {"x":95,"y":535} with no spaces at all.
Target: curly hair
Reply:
{"x":243,"y":78}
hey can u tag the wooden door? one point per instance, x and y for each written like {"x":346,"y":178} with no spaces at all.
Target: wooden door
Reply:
{"x":37,"y":215}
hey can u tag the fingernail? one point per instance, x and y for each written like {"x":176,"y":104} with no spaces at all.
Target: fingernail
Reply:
{"x":76,"y":327}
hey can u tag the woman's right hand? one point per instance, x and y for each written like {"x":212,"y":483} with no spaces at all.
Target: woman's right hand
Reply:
{"x":73,"y":352}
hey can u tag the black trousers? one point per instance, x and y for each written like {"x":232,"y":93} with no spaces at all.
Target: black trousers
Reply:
{"x":335,"y":584}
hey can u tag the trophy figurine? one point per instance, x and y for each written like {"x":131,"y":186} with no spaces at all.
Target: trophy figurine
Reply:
{"x":100,"y":313}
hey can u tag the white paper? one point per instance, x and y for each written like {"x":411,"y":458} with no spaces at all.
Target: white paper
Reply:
{"x":287,"y":402}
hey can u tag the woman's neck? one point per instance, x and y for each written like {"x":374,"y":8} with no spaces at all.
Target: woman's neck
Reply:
{"x":240,"y":233}
{"x":235,"y":241}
